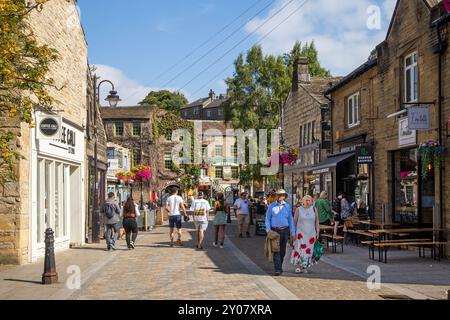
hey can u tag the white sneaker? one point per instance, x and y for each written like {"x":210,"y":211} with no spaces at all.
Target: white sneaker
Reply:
{"x":215,"y":245}
{"x":221,"y":246}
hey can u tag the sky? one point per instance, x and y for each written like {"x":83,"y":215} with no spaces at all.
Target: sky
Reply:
{"x":190,"y":45}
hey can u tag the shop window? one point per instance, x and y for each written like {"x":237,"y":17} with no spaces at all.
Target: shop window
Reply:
{"x":411,"y":78}
{"x":168,"y":161}
{"x":136,"y":129}
{"x":353,"y":105}
{"x":118,"y":129}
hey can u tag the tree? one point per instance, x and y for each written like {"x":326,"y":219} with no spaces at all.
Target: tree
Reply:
{"x":24,"y":65}
{"x":259,"y":86}
{"x":308,"y":51}
{"x":170,"y":101}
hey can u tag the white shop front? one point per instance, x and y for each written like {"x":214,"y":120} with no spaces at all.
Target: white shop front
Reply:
{"x":57,"y":187}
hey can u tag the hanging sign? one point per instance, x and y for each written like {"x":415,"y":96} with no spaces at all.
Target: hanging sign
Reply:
{"x":419,"y":118}
{"x":48,"y":127}
{"x":406,"y":136}
{"x":364,"y":154}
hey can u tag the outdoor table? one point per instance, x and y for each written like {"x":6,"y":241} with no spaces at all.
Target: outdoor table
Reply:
{"x":380,"y":225}
{"x":383,"y":233}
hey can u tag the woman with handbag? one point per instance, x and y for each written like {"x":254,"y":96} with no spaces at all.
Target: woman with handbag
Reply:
{"x":306,"y":220}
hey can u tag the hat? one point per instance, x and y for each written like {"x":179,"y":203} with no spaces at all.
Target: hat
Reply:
{"x":281,"y":191}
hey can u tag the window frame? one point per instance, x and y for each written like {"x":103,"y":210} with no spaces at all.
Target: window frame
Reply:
{"x":216,"y":170}
{"x":134,"y":128}
{"x":412,"y":86}
{"x":115,"y":128}
{"x":166,"y":161}
{"x":355,"y":116}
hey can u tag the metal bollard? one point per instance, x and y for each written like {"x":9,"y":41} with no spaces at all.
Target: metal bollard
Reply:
{"x":50,"y":276}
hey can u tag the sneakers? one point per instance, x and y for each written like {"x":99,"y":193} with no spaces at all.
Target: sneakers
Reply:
{"x":215,"y":245}
{"x":278,"y":273}
{"x":112,"y":247}
{"x":132,"y":245}
{"x":221,"y":246}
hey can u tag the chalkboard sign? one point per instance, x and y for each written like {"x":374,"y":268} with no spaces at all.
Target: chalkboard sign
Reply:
{"x":261,"y":228}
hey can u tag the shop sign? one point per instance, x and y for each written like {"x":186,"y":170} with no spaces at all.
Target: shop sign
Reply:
{"x":419,"y":118}
{"x":48,"y":127}
{"x":326,"y":170}
{"x":406,"y":136}
{"x":364,"y":154}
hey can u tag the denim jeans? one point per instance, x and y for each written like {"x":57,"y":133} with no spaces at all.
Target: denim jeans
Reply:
{"x":278,"y":257}
{"x":112,"y":242}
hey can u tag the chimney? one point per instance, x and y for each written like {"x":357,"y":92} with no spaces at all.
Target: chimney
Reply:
{"x":212,"y":95}
{"x":303,"y":70}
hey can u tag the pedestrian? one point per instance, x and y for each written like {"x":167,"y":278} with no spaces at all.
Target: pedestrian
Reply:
{"x":337,"y":205}
{"x":243,"y":214}
{"x":173,"y":205}
{"x":130,"y":212}
{"x":111,"y":211}
{"x":326,"y":213}
{"x":261,"y":207}
{"x":272,"y":197}
{"x":279,"y":219}
{"x":307,"y":234}
{"x":220,"y":220}
{"x":346,"y":208}
{"x":201,"y":209}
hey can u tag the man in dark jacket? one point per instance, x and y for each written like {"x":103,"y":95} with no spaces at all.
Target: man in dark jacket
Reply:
{"x":111,"y":214}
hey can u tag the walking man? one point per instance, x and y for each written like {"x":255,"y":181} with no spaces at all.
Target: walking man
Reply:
{"x":173,"y":205}
{"x":243,"y":214}
{"x":111,"y":212}
{"x":279,"y":219}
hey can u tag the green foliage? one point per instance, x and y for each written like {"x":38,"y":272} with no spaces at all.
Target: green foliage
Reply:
{"x":24,"y":65}
{"x":170,"y":101}
{"x":166,"y":124}
{"x":306,"y":51}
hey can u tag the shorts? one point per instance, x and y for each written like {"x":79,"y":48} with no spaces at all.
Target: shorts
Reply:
{"x":202,"y":225}
{"x":175,"y":222}
{"x":243,"y":219}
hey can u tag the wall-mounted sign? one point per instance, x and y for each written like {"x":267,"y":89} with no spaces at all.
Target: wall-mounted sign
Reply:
{"x":406,"y":136}
{"x":419,"y":118}
{"x":364,"y":154}
{"x":48,"y":127}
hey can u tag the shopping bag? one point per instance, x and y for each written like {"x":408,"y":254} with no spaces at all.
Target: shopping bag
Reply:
{"x":318,"y":251}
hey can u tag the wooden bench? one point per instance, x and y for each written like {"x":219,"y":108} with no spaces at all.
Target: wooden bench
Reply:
{"x":335,"y":240}
{"x":436,"y":246}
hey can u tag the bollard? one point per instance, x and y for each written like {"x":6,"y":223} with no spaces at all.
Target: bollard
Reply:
{"x":50,"y":275}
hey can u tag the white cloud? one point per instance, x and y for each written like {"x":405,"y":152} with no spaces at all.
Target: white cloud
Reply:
{"x":338,"y":28}
{"x":129,"y":90}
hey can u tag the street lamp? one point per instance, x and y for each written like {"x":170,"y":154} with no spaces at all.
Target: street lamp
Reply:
{"x":113,"y":100}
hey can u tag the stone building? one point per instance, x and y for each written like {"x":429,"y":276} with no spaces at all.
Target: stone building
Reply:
{"x":210,"y":108}
{"x":306,"y":126}
{"x":132,"y":128}
{"x":406,"y":74}
{"x":50,"y":189}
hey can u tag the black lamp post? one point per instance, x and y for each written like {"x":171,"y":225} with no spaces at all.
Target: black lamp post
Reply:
{"x":113,"y":100}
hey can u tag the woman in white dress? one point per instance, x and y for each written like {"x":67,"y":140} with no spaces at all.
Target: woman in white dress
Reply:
{"x":307,"y":233}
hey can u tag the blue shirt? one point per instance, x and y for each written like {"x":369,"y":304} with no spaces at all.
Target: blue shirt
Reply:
{"x":279,"y":216}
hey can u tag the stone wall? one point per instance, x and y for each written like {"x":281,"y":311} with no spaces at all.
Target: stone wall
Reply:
{"x":58,"y":26}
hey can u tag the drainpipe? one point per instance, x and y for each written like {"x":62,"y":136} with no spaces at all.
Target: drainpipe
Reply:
{"x":441,"y":49}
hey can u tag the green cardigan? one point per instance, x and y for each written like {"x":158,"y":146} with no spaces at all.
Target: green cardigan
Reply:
{"x":324,"y":210}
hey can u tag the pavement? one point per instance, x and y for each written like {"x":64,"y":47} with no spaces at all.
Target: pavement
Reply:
{"x":238,"y":272}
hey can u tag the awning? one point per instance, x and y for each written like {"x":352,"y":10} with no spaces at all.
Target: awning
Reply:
{"x":331,"y":162}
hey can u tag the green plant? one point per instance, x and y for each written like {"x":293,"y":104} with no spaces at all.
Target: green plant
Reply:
{"x":431,"y":155}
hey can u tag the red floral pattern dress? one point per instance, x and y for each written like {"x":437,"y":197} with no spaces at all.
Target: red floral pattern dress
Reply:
{"x":302,"y":254}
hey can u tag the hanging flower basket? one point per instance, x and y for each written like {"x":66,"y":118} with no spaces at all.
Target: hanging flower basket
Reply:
{"x":142,"y":173}
{"x":287,"y":155}
{"x":125,"y":177}
{"x":431,"y":155}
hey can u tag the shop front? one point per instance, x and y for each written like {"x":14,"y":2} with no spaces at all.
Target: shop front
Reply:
{"x":413,"y":194}
{"x":57,"y":184}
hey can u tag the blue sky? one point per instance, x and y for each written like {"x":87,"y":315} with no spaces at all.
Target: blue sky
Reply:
{"x":134,"y":43}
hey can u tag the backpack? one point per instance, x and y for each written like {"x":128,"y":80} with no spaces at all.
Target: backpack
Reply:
{"x":337,"y":205}
{"x":109,"y":210}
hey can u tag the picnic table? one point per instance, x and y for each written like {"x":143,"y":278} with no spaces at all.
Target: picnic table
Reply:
{"x":380,"y":225}
{"x":383,"y":244}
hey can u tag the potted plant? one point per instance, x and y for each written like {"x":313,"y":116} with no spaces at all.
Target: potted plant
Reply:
{"x":431,"y":155}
